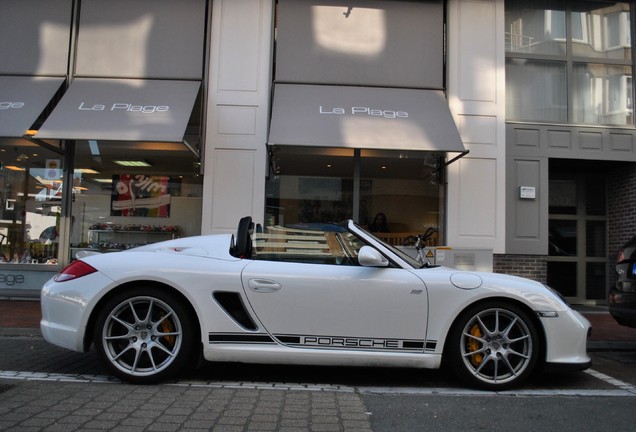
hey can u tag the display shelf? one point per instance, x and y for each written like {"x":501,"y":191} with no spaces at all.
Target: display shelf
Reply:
{"x":120,"y":239}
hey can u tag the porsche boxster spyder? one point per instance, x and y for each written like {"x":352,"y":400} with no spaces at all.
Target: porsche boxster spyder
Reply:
{"x":328,"y":294}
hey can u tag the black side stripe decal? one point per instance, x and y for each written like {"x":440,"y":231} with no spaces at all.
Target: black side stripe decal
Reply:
{"x":240,"y":338}
{"x":329,"y":342}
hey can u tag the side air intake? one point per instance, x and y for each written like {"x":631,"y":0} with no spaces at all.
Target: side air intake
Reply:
{"x":232,"y":304}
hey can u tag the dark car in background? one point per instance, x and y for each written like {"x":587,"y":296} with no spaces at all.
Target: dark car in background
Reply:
{"x":622,"y":297}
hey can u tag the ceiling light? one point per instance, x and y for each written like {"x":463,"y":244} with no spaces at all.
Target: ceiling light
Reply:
{"x":86,"y":171}
{"x":103,"y":180}
{"x":132,"y":163}
{"x":14,"y":168}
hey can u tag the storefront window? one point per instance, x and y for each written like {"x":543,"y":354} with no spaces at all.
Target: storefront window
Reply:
{"x":398,"y":192}
{"x":310,"y":185}
{"x":128,"y":194}
{"x":30,"y":203}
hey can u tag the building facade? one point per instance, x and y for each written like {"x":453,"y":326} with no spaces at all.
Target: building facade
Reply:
{"x":505,"y":125}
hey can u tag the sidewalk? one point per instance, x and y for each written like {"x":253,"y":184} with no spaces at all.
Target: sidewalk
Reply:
{"x":19,"y":317}
{"x":19,"y":314}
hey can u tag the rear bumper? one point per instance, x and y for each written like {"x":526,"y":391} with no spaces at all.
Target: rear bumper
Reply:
{"x":66,"y":309}
{"x":622,"y":306}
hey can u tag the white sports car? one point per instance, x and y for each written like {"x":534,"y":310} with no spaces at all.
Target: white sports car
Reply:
{"x":334,"y":295}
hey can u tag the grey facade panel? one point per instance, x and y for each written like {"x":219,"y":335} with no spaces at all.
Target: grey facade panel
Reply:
{"x":363,"y":117}
{"x":35,"y":37}
{"x":141,"y":39}
{"x":122,"y":110}
{"x":361,"y":42}
{"x":540,"y":143}
{"x":527,"y":227}
{"x":22,"y":100}
{"x":571,"y":142}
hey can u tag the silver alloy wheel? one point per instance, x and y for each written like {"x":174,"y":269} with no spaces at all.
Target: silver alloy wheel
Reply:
{"x":496,"y":346}
{"x":142,"y":336}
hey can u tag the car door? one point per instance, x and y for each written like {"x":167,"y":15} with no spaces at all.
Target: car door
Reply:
{"x":338,"y":306}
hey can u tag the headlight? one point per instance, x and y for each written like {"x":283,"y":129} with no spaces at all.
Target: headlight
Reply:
{"x":557,"y":295}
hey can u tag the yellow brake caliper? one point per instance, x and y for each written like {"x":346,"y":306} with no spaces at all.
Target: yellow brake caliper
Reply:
{"x":166,"y":327}
{"x":474,"y":345}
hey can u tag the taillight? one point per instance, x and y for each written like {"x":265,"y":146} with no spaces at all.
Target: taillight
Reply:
{"x":74,"y":270}
{"x":621,"y":256}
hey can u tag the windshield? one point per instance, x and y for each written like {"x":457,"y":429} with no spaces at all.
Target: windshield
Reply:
{"x":400,"y":253}
{"x":315,"y":243}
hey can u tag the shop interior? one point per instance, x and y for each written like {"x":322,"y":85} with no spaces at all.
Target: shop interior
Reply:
{"x":396,"y":194}
{"x":124,"y":194}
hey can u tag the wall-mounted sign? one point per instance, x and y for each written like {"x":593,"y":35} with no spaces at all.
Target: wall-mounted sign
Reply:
{"x":527,"y":192}
{"x":24,"y":280}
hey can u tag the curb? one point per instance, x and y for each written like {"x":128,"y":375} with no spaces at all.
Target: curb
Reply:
{"x":608,"y":346}
{"x":20,"y":332}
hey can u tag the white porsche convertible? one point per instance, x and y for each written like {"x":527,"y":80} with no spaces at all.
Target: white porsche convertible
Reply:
{"x":321,"y":295}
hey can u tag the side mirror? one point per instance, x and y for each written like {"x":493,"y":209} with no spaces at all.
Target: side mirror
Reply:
{"x":369,"y":257}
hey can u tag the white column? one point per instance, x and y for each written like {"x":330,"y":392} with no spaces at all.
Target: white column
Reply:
{"x":237,"y":113}
{"x":476,"y":92}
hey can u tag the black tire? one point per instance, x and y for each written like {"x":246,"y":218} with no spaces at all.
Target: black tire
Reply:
{"x":144,"y":335}
{"x":493,"y":346}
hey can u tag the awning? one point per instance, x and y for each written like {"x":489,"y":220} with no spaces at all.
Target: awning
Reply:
{"x":22,"y":100}
{"x":363,"y":117}
{"x":122,"y":110}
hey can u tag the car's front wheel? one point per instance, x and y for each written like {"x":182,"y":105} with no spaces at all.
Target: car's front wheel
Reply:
{"x":494,"y":346}
{"x":144,"y":335}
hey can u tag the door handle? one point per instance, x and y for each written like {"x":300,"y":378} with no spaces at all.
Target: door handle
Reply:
{"x":263,"y":285}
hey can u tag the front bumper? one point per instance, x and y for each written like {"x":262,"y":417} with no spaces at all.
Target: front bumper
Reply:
{"x":566,"y":341}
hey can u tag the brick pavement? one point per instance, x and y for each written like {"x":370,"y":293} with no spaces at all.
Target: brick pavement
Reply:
{"x":62,"y":406}
{"x":57,"y":401}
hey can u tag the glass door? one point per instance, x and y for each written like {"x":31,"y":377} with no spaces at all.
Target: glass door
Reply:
{"x":577,"y":260}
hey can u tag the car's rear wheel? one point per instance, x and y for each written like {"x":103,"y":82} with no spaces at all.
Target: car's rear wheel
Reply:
{"x":144,"y":335}
{"x":494,"y":346}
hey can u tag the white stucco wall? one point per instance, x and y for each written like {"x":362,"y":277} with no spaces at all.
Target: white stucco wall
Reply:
{"x":476,"y":93}
{"x":235,"y":156}
{"x":237,"y":119}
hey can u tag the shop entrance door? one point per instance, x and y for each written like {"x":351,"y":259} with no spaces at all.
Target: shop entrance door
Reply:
{"x":577,"y":261}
